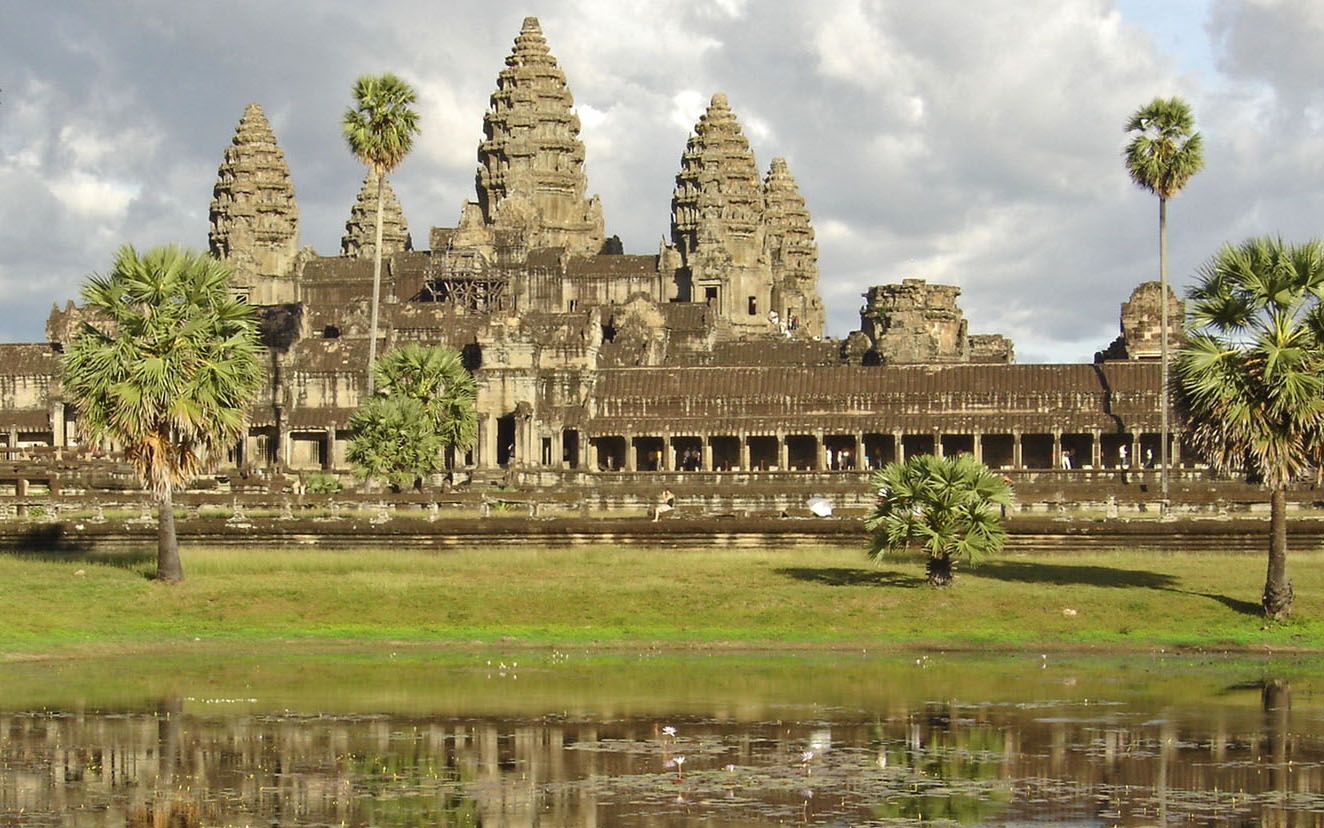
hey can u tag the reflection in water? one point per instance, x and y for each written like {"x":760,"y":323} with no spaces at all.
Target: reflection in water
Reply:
{"x":1077,"y":749}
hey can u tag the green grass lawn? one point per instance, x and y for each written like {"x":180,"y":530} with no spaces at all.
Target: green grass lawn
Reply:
{"x":614,"y":596}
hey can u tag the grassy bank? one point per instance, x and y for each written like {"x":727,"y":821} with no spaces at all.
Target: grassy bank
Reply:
{"x":59,"y":604}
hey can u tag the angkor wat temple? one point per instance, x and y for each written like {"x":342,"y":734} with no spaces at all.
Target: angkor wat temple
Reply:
{"x":707,"y":355}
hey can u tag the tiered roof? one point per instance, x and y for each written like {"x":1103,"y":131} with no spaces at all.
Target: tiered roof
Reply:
{"x":718,"y":197}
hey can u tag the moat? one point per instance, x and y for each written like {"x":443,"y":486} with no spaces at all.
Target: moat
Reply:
{"x":551,"y":737}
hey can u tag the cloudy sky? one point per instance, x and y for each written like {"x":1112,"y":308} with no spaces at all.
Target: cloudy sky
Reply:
{"x":970,"y":142}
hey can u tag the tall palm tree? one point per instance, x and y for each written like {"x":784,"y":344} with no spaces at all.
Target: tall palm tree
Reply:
{"x":380,"y":130}
{"x":1251,"y":376}
{"x":948,"y":506}
{"x":166,"y":370}
{"x":1161,"y":157}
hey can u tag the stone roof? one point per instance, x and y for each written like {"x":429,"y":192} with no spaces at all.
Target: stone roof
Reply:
{"x":28,"y":359}
{"x":962,"y":398}
{"x":611,"y":266}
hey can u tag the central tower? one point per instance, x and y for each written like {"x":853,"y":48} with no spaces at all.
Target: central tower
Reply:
{"x":531,"y":162}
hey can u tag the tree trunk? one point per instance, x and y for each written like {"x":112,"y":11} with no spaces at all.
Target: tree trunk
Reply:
{"x":940,"y":570}
{"x":376,"y":284}
{"x":1163,"y":351}
{"x":168,"y":567}
{"x":1277,"y":589}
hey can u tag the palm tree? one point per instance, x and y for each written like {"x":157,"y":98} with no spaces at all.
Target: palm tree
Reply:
{"x":166,"y":370}
{"x":437,"y":378}
{"x":380,"y":130}
{"x":424,"y":405}
{"x":1161,"y":157}
{"x":1251,"y":376}
{"x":944,"y":505}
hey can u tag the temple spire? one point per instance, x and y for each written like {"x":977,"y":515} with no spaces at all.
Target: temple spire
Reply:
{"x":361,"y":229}
{"x":531,"y":161}
{"x":717,"y":221}
{"x":792,"y":252}
{"x":254,"y":217}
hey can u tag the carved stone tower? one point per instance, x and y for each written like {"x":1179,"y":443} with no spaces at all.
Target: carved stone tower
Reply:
{"x":717,"y":221}
{"x":361,"y":230}
{"x":254,"y":218}
{"x":531,"y":161}
{"x":791,"y":252}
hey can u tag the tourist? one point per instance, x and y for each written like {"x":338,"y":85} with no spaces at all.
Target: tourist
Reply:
{"x":665,"y":504}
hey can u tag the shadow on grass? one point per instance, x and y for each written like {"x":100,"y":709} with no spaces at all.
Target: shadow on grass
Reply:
{"x":51,"y":543}
{"x":1071,"y":575}
{"x":1234,"y":604}
{"x":1101,"y":576}
{"x":841,"y":576}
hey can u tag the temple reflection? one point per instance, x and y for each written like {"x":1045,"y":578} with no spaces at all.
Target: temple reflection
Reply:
{"x":181,"y":762}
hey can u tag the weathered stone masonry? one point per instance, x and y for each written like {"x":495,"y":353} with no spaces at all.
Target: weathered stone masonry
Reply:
{"x":708,"y":355}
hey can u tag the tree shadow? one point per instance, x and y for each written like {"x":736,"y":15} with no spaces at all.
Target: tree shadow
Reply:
{"x":1235,"y":604}
{"x":1069,"y":575}
{"x":841,"y":576}
{"x":50,"y":542}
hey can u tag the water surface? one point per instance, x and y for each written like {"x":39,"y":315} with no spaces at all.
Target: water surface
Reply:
{"x":661,"y":738}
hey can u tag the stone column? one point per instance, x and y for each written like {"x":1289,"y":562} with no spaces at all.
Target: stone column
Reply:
{"x":1016,"y":456}
{"x":631,"y":454}
{"x":977,"y":447}
{"x":898,"y":447}
{"x":60,"y":435}
{"x":707,"y":453}
{"x":1174,"y":452}
{"x":857,"y":457}
{"x":1137,"y":454}
{"x":590,"y":451}
{"x":487,"y":442}
{"x":783,"y":453}
{"x":743,"y":437}
{"x":668,"y":453}
{"x":1096,"y":450}
{"x":937,"y":443}
{"x":1057,"y":449}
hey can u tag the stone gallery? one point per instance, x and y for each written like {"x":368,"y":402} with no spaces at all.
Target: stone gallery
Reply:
{"x":706,"y":355}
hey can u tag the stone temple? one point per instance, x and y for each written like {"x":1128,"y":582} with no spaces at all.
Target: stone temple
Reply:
{"x":708,"y":355}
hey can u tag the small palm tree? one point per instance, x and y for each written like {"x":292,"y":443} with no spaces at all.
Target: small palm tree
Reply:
{"x":948,"y":506}
{"x":436,"y":377}
{"x":380,"y":130}
{"x":1251,"y":376}
{"x":424,"y":405}
{"x":166,"y":371}
{"x":1161,"y":157}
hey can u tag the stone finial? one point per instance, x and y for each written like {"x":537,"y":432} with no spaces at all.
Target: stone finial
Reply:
{"x":718,"y":199}
{"x":792,"y":252}
{"x":531,"y":161}
{"x":360,"y":236}
{"x":254,"y":217}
